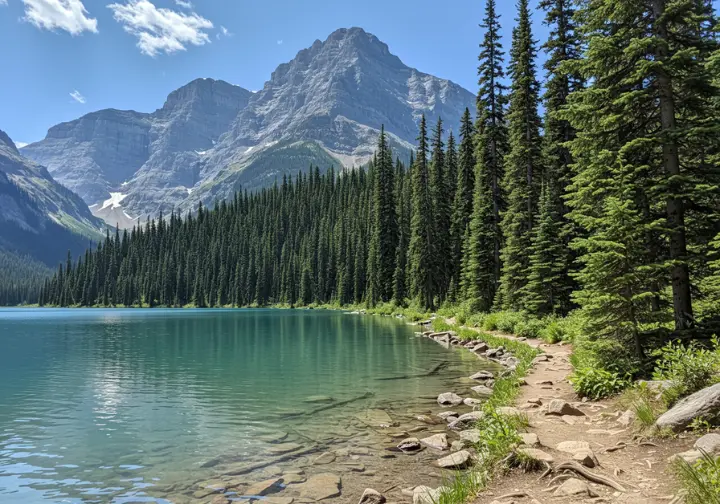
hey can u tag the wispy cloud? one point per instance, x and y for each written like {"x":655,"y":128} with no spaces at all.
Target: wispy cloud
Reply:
{"x":224,"y":32}
{"x":279,"y":42}
{"x":161,"y":30}
{"x":68,"y":15}
{"x":184,"y":4}
{"x":3,"y":2}
{"x":77,"y":96}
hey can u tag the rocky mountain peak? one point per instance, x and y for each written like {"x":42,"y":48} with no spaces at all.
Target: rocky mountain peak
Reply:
{"x":6,"y":141}
{"x":202,"y":92}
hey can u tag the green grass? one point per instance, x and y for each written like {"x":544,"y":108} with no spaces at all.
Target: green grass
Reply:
{"x":700,"y":481}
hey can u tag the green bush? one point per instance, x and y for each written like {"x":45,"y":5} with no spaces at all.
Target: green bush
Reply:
{"x":553,"y":332}
{"x":597,"y":383}
{"x":490,"y":322}
{"x":530,"y":328}
{"x":690,"y":368}
{"x":610,"y":355}
{"x":701,"y":481}
{"x":507,"y":321}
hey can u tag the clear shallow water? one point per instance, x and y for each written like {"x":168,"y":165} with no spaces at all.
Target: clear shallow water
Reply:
{"x":104,"y":405}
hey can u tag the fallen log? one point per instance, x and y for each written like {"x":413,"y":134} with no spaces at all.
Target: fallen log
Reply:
{"x":366,"y":395}
{"x":432,"y":372}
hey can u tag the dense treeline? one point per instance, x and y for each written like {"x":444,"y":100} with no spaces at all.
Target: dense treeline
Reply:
{"x":21,"y":278}
{"x":609,"y":203}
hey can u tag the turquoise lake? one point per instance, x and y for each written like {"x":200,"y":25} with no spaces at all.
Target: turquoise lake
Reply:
{"x":138,"y":405}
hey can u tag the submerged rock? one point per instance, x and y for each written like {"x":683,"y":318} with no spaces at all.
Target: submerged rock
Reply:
{"x":280,"y":449}
{"x":319,"y":399}
{"x":375,"y":418}
{"x":409,"y":445}
{"x":262,"y":488}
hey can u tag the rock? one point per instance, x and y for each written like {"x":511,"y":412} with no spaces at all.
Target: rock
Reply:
{"x":375,"y":418}
{"x":511,"y":362}
{"x":472,"y":402}
{"x":536,"y":454}
{"x":449,"y":399}
{"x":627,"y":418}
{"x":262,"y":488}
{"x":493,"y":352}
{"x":480,"y":348}
{"x":705,"y":403}
{"x":219,"y":499}
{"x":482,"y":391}
{"x":445,"y":414}
{"x":321,"y":486}
{"x":540,"y":358}
{"x":319,"y":399}
{"x":409,"y":444}
{"x":535,"y":400}
{"x":709,"y":443}
{"x":573,"y":487}
{"x":278,"y":500}
{"x":325,"y":458}
{"x":282,"y":448}
{"x":530,"y":439}
{"x":470,"y":435}
{"x":358,"y":468}
{"x":573,"y":447}
{"x":586,"y":458}
{"x":690,"y":456}
{"x":293,"y":479}
{"x":438,"y":441}
{"x":482,"y":375}
{"x":466,"y":420}
{"x":457,"y":460}
{"x":458,"y":445}
{"x":451,"y":419}
{"x":560,"y":407}
{"x":426,"y":495}
{"x":371,"y":496}
{"x":428,"y":420}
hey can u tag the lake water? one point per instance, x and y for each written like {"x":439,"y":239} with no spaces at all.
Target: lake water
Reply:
{"x":142,"y":405}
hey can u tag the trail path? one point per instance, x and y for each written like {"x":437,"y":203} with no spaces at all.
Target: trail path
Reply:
{"x":643,"y":470}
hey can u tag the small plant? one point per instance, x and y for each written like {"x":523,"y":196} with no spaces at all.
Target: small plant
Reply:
{"x":701,"y":425}
{"x":690,"y":368}
{"x":597,"y":383}
{"x":643,"y":402}
{"x":701,"y":481}
{"x":490,"y":322}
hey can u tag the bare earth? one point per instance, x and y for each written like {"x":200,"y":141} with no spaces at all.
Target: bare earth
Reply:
{"x":641,"y":467}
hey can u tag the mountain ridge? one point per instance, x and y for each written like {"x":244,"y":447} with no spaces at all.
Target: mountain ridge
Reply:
{"x":210,"y":138}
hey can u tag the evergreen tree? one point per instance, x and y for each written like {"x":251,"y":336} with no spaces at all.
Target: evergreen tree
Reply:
{"x":422,"y":240}
{"x":523,"y":163}
{"x":441,"y":208}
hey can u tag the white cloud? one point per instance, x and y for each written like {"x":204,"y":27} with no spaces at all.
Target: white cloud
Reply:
{"x":279,"y":42}
{"x":68,"y":15}
{"x":224,"y":32}
{"x":161,"y":30}
{"x":77,"y":96}
{"x":20,"y":145}
{"x":184,"y":4}
{"x":3,"y":2}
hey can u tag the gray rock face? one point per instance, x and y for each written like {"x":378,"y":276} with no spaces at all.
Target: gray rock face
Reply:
{"x":705,"y":403}
{"x":211,"y":139}
{"x":38,"y":216}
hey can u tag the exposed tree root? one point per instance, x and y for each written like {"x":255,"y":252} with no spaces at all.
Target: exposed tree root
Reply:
{"x":595,"y":478}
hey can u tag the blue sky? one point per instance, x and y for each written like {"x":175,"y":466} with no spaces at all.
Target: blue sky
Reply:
{"x":65,"y":58}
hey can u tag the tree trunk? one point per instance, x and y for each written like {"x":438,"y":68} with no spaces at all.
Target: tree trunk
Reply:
{"x":682,"y":300}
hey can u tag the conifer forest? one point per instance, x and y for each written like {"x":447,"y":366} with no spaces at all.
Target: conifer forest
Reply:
{"x":591,"y":184}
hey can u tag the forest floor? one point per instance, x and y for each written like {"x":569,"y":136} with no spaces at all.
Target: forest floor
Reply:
{"x":639,"y":465}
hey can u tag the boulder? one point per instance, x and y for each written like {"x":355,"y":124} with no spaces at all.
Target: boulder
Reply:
{"x":320,"y":486}
{"x":262,"y":488}
{"x":482,"y":391}
{"x":426,"y":495}
{"x":449,"y":399}
{"x":705,"y":403}
{"x":470,"y":435}
{"x":627,"y":418}
{"x":536,"y":454}
{"x":438,"y":441}
{"x":709,"y":443}
{"x":371,"y":496}
{"x":480,"y":348}
{"x":444,"y":414}
{"x":575,"y":487}
{"x":482,"y":375}
{"x":573,"y":447}
{"x":457,"y":460}
{"x":586,"y":458}
{"x":410,"y":444}
{"x":472,"y":402}
{"x":560,"y":407}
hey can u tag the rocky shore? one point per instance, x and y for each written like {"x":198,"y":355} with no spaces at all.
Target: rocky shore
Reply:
{"x":384,"y":453}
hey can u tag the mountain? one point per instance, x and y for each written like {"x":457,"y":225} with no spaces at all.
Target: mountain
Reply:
{"x":38,"y":216}
{"x":210,"y":139}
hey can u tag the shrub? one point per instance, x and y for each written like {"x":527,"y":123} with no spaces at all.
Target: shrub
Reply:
{"x":553,"y":332}
{"x":597,"y":383}
{"x":490,"y":322}
{"x":507,"y":321}
{"x":530,"y":328}
{"x":701,"y":480}
{"x":690,"y":368}
{"x":643,"y":401}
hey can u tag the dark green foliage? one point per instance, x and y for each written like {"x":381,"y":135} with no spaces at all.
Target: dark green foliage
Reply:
{"x":523,"y":164}
{"x":21,"y":278}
